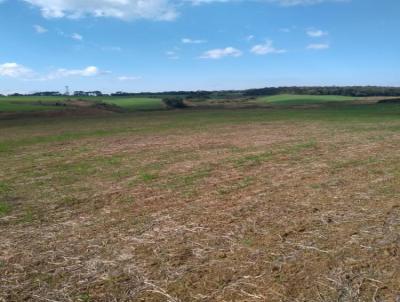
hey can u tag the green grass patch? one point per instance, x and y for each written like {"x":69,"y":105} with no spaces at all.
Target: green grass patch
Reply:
{"x":4,"y":208}
{"x":352,"y":163}
{"x":22,"y":107}
{"x":30,"y":215}
{"x":9,"y":145}
{"x":85,"y":297}
{"x":294,"y":99}
{"x":38,"y":103}
{"x":33,"y":99}
{"x":184,"y":121}
{"x":188,"y":181}
{"x":259,"y":158}
{"x":300,"y":147}
{"x":4,"y":188}
{"x":134,"y":104}
{"x":147,"y":177}
{"x":254,"y":159}
{"x":192,"y":178}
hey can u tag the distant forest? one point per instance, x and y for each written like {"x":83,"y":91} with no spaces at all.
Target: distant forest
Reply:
{"x":357,"y":91}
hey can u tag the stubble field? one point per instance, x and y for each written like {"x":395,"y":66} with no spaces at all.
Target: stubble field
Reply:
{"x":281,"y":204}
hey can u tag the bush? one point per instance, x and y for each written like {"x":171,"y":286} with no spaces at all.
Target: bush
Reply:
{"x":174,"y":102}
{"x":389,"y":101}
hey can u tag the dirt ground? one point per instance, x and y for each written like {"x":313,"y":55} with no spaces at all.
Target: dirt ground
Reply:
{"x":258,"y":211}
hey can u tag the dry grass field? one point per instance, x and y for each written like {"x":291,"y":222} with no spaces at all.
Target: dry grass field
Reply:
{"x":279,"y":204}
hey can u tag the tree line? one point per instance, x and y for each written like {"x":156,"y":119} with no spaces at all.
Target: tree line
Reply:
{"x":360,"y":91}
{"x":357,"y":91}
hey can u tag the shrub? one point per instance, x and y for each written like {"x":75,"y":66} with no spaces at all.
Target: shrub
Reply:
{"x":174,"y":102}
{"x":389,"y":101}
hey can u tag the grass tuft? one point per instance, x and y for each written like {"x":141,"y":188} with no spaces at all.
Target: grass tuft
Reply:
{"x":5,"y":209}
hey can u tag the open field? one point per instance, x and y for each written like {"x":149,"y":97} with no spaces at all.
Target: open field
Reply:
{"x":11,"y":105}
{"x":279,"y":204}
{"x":290,"y":99}
{"x":29,"y":104}
{"x":136,"y":104}
{"x":129,"y":104}
{"x":37,"y":103}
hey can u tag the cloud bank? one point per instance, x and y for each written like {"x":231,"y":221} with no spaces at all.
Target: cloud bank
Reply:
{"x":161,"y":10}
{"x":18,"y":71}
{"x":14,"y":70}
{"x":121,"y":9}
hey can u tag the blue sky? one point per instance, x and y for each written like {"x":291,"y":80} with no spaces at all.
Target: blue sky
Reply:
{"x":158,"y":45}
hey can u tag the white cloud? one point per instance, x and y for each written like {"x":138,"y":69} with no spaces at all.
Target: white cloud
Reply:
{"x":172,"y":55}
{"x":77,"y":37}
{"x":250,"y":37}
{"x":121,"y":9}
{"x":279,"y":2}
{"x":40,"y":29}
{"x":316,"y":33}
{"x":14,"y":70}
{"x":198,"y":2}
{"x":320,"y":46}
{"x":128,"y":78}
{"x":74,"y":36}
{"x":301,"y":2}
{"x":221,"y":52}
{"x":165,"y":10}
{"x":266,"y":48}
{"x":191,"y":41}
{"x":89,"y":71}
